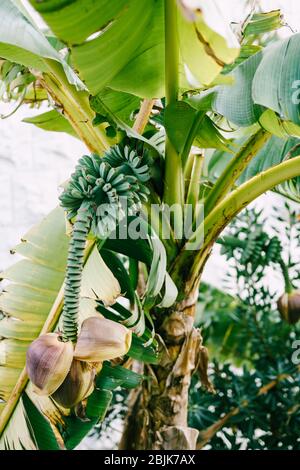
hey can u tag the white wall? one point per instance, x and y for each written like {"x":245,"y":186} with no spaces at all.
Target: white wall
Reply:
{"x":32,"y":165}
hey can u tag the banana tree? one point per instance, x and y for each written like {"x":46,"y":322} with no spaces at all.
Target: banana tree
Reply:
{"x":152,"y":90}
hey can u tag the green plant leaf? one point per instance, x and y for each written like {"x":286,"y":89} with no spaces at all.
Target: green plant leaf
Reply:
{"x":204,"y":51}
{"x":115,"y":376}
{"x":27,"y":301}
{"x":40,"y":426}
{"x":158,"y":277}
{"x":27,"y":428}
{"x":105,"y":114}
{"x":235,"y":101}
{"x":216,"y":313}
{"x":181,"y":119}
{"x":273,"y":153}
{"x":108,"y":379}
{"x":270,"y":121}
{"x":119,"y":103}
{"x":75,"y":428}
{"x":144,"y":74}
{"x":51,"y":121}
{"x":130,"y":60}
{"x":141,"y":353}
{"x":22,"y":42}
{"x":270,"y":155}
{"x":246,"y":51}
{"x":276,"y":80}
{"x":139,"y":249}
{"x":269,"y":79}
{"x":150,"y":250}
{"x":143,"y":347}
{"x":261,"y":23}
{"x":123,"y":24}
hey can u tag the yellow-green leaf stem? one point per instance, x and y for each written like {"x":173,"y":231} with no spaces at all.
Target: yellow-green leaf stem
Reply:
{"x":173,"y":184}
{"x":75,"y":107}
{"x":235,"y":168}
{"x":239,"y":198}
{"x":194,"y":184}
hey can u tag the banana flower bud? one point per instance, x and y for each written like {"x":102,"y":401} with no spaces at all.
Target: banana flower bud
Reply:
{"x":101,"y":339}
{"x":77,"y":386}
{"x":289,"y":306}
{"x":48,"y":361}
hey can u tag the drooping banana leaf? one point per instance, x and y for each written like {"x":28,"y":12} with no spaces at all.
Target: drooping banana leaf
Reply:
{"x":52,"y":121}
{"x":276,"y":82}
{"x":269,"y":79}
{"x":28,"y":429}
{"x":235,"y":101}
{"x":23,"y":43}
{"x":31,"y":304}
{"x":274,"y":152}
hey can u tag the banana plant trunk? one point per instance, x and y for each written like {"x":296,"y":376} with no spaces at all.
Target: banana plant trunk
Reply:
{"x":158,"y":411}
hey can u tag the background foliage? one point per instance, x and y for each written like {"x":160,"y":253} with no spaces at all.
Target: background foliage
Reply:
{"x":251,"y":347}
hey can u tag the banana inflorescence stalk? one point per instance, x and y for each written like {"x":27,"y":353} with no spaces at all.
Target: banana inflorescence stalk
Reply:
{"x":81,"y":229}
{"x":94,"y":199}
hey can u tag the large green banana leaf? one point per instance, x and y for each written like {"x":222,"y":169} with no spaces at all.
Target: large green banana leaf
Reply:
{"x":121,"y":44}
{"x":276,"y":81}
{"x":109,"y":49}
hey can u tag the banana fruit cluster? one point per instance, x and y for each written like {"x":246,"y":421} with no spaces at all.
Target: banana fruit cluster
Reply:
{"x":66,"y":371}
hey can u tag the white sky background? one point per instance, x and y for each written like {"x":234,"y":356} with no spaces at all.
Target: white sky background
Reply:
{"x":34,"y":162}
{"x":233,"y":11}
